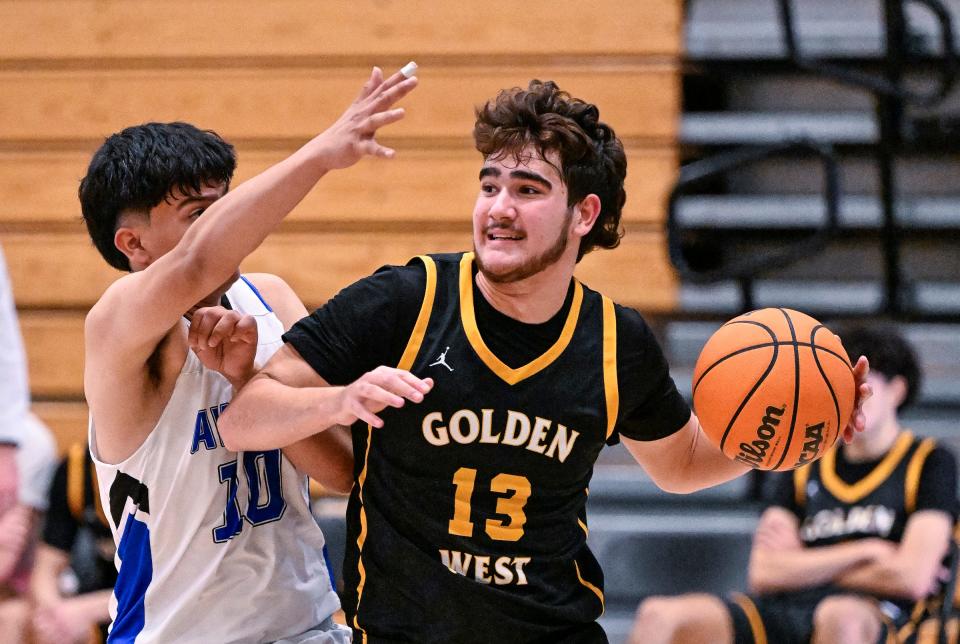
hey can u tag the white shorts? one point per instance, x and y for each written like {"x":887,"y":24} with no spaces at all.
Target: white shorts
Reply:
{"x":326,"y":632}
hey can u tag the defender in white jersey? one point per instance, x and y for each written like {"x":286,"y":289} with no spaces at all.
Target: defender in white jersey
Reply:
{"x":213,"y":545}
{"x":228,"y":526}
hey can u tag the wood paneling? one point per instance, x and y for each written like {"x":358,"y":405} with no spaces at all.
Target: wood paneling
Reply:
{"x":63,"y":270}
{"x":419,"y":185}
{"x":317,"y":267}
{"x":159,"y":29}
{"x":286,"y":103}
{"x":66,"y":420}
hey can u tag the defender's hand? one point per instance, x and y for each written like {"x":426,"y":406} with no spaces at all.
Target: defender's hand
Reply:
{"x":351,"y":137}
{"x":858,"y":421}
{"x":376,"y":390}
{"x":9,"y":477}
{"x":225,"y":341}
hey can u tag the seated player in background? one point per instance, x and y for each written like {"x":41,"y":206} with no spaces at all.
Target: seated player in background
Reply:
{"x":36,"y":458}
{"x":212,"y":545}
{"x":71,"y":603}
{"x":850,"y":544}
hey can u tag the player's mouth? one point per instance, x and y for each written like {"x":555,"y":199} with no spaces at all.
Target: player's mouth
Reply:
{"x":504,"y":235}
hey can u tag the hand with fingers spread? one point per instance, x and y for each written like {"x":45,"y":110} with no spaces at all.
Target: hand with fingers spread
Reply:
{"x":225,"y":341}
{"x":863,"y":391}
{"x":376,"y":390}
{"x":351,"y":137}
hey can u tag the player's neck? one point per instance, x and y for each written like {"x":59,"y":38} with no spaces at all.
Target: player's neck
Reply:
{"x":532,"y":300}
{"x":874,"y":446}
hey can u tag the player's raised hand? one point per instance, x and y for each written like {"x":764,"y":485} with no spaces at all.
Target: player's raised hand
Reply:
{"x":863,"y":391}
{"x":225,"y":341}
{"x":376,"y":390}
{"x":352,"y":136}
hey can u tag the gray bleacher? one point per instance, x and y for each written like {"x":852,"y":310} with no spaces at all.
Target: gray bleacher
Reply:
{"x":650,"y":542}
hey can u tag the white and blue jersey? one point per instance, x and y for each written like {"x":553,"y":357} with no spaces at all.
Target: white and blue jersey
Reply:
{"x":212,"y":545}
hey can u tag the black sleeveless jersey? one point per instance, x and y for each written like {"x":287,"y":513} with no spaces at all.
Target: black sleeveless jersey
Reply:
{"x":469,"y":513}
{"x":878,"y":505}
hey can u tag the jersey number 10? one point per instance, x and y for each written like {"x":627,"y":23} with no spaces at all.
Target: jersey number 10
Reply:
{"x":265,"y":502}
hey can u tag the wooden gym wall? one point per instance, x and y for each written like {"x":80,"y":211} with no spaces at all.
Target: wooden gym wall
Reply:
{"x":270,"y":75}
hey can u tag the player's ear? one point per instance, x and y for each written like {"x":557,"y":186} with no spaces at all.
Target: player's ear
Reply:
{"x":898,"y":389}
{"x":585,"y":214}
{"x":127,"y":240}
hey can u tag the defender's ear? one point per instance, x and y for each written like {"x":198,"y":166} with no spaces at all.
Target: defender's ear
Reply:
{"x":127,"y":240}
{"x":898,"y":389}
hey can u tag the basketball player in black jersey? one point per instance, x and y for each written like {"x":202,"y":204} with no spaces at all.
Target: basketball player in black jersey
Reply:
{"x":849,"y":545}
{"x":467,"y":521}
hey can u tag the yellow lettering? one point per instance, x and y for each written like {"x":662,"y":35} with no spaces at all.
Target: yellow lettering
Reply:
{"x":435,"y":435}
{"x":540,"y":428}
{"x":503,"y":574}
{"x":473,"y":423}
{"x":517,"y":430}
{"x":480,"y":565}
{"x":564,"y":441}
{"x":518,"y":564}
{"x":486,"y":434}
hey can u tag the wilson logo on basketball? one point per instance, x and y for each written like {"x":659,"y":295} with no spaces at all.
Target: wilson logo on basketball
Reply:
{"x":754,"y":452}
{"x":813,"y":437}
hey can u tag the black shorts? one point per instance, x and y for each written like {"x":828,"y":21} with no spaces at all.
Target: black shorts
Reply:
{"x":787,"y":618}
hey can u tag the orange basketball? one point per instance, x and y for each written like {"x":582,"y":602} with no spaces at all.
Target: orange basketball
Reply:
{"x":773,"y":388}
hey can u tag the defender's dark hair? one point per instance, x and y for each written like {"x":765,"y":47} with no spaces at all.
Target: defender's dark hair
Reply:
{"x":888,"y":352}
{"x":137,"y":168}
{"x":592,"y":160}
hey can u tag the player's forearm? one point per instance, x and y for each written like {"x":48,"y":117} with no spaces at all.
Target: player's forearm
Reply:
{"x":235,"y":225}
{"x":892,"y":577}
{"x":48,"y":564}
{"x":685,"y":461}
{"x":326,"y":457}
{"x":95,"y":606}
{"x":778,"y":570}
{"x":267,"y":414}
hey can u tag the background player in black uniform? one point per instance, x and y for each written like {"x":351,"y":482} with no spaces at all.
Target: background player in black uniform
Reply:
{"x":531,"y":374}
{"x":850,"y":544}
{"x":74,"y":515}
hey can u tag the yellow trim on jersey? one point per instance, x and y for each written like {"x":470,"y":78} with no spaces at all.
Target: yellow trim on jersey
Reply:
{"x":800,"y":477}
{"x":583,"y":526}
{"x":857,"y":491}
{"x":611,"y":388}
{"x":406,"y":361}
{"x":75,"y":479}
{"x":596,"y":591}
{"x":423,"y":318}
{"x":913,"y":472}
{"x":753,"y":616}
{"x":469,"y":320}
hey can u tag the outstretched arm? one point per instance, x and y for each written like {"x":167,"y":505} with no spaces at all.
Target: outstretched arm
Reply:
{"x":232,"y":227}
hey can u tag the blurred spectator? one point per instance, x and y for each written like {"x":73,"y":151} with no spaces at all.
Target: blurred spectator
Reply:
{"x":14,"y":391}
{"x":850,"y":543}
{"x":35,"y":461}
{"x":72,"y":600}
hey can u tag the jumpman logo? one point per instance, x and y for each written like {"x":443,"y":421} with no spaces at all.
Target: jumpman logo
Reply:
{"x":442,"y":360}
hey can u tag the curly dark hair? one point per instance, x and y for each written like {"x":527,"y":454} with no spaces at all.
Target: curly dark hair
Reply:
{"x":137,"y":168}
{"x":591,"y":156}
{"x":889,"y":354}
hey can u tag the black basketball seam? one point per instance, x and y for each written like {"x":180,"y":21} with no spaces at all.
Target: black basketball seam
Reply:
{"x":763,"y":346}
{"x":796,"y":387}
{"x":756,"y":385}
{"x":770,"y":332}
{"x":833,"y":394}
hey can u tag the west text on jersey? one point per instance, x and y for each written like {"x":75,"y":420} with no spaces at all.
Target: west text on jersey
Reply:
{"x":499,"y":571}
{"x":540,"y":435}
{"x":874,"y":520}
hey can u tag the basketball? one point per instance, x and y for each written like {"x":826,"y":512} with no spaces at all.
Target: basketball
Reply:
{"x":773,"y":389}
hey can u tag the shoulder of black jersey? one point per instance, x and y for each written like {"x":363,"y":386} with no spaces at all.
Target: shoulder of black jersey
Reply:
{"x":442,"y":258}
